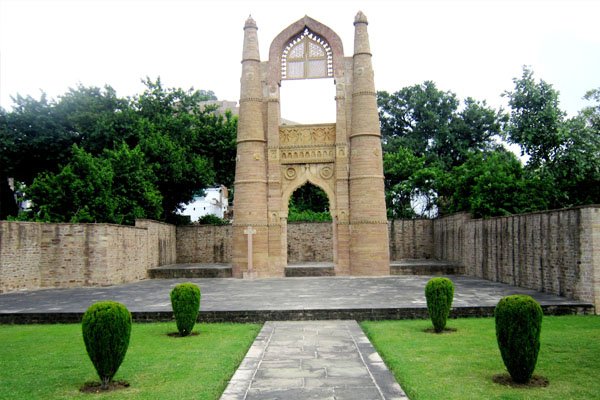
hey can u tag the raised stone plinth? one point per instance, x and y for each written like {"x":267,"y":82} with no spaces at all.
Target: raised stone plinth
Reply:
{"x":425,"y":267}
{"x":174,"y":271}
{"x":310,"y":269}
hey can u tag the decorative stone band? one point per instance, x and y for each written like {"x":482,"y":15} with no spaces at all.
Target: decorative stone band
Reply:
{"x":368,"y":222}
{"x":365,"y":93}
{"x":363,"y":53}
{"x":354,"y":178}
{"x":245,"y":224}
{"x":242,"y":181}
{"x":273,"y":100}
{"x":250,"y":59}
{"x":248,"y":140}
{"x":251,"y":100}
{"x":336,"y":98}
{"x":376,"y":134}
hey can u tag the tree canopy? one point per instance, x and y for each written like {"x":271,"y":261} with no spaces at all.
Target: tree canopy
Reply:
{"x":95,"y":157}
{"x":92,"y":156}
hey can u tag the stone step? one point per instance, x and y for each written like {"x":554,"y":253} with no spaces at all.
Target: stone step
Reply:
{"x":310,"y":269}
{"x":425,"y":267}
{"x":174,"y":271}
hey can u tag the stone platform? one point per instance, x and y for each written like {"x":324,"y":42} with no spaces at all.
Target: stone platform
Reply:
{"x":175,"y":271}
{"x":259,"y":300}
{"x":425,"y":267}
{"x":310,"y":269}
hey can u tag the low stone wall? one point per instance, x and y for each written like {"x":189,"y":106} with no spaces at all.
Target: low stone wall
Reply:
{"x":39,"y":255}
{"x":556,"y":252}
{"x":411,"y":239}
{"x":309,"y":241}
{"x":204,"y":244}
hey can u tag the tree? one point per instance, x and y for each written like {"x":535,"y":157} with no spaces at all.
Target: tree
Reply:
{"x":427,"y":121}
{"x":536,"y":121}
{"x":162,"y":147}
{"x":490,"y":184}
{"x":425,"y":134}
{"x":80,"y":192}
{"x":564,"y":153}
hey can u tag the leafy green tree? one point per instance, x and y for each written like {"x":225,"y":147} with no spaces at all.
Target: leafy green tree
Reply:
{"x":427,"y":121}
{"x":536,"y":121}
{"x":133,"y":186}
{"x":490,"y":183}
{"x":425,"y":133}
{"x":80,"y":192}
{"x":564,"y":153}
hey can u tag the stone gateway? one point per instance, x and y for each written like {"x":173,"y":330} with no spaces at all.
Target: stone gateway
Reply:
{"x":343,"y":158}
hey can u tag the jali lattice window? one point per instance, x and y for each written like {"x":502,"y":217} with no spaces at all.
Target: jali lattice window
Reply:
{"x":307,"y":56}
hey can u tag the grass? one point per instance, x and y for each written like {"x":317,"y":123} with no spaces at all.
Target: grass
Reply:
{"x":461,"y":364}
{"x":50,"y":361}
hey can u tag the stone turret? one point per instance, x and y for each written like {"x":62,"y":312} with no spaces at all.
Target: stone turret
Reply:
{"x":369,"y":251}
{"x":251,"y":170}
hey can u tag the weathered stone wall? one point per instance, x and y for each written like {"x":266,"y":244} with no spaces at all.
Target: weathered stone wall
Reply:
{"x":204,"y":244}
{"x":309,"y":241}
{"x":38,"y":255}
{"x":161,"y":246}
{"x":554,"y":252}
{"x":411,"y":239}
{"x":20,"y":254}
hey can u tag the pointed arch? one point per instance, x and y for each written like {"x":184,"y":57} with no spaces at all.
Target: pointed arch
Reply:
{"x":295,"y":30}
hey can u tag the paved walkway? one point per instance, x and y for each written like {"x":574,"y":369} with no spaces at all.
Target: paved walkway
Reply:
{"x":322,"y":360}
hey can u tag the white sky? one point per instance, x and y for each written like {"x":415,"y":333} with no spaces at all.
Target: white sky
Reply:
{"x":473,"y":48}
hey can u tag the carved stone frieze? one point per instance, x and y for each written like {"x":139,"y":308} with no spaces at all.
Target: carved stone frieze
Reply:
{"x":307,"y":135}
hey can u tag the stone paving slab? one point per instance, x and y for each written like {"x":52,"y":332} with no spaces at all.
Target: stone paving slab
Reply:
{"x":312,"y":360}
{"x":389,"y":297}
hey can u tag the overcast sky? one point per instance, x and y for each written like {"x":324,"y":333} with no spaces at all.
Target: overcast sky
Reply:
{"x":473,"y":48}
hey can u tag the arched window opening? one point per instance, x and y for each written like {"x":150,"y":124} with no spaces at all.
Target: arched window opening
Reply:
{"x":307,"y":56}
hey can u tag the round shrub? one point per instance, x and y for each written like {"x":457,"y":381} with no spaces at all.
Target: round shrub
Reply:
{"x":106,"y":328}
{"x":185,"y":300}
{"x":518,"y":326}
{"x":439,"y":293}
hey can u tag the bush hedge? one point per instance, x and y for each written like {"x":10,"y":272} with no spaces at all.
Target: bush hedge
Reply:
{"x":439,"y":293}
{"x":185,"y":300}
{"x":106,"y":328}
{"x":518,"y":327}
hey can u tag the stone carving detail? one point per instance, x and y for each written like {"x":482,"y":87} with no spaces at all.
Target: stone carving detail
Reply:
{"x":306,"y":135}
{"x":302,"y":144}
{"x":290,"y":173}
{"x":307,"y":155}
{"x":326,"y":172}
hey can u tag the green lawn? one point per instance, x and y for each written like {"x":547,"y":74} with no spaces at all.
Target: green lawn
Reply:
{"x":460,"y":365}
{"x":50,"y":361}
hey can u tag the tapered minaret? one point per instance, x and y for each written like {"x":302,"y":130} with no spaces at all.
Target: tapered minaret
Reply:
{"x":250,"y":204}
{"x":369,"y":242}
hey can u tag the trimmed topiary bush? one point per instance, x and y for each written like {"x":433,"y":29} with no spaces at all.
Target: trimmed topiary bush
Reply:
{"x":185,"y":300}
{"x":518,"y":327}
{"x":106,"y":328}
{"x":439,"y":293}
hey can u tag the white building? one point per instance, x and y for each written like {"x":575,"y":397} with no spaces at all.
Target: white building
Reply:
{"x":213,"y":202}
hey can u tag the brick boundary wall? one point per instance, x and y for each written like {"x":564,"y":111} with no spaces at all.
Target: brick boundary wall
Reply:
{"x":38,"y":255}
{"x":556,"y":252}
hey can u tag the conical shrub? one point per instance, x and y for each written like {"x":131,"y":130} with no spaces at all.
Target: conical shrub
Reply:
{"x":518,"y":327}
{"x":439,"y":293}
{"x":185,"y":300}
{"x":106,"y":328}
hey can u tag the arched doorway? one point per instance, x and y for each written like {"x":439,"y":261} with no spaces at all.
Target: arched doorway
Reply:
{"x":309,"y":232}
